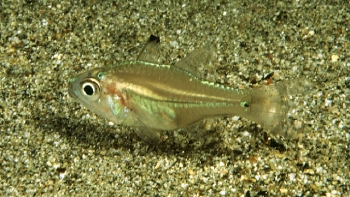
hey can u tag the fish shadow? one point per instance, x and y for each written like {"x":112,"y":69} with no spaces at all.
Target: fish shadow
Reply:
{"x":85,"y":134}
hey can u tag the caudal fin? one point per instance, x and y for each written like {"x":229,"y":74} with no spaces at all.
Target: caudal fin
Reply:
{"x":274,"y":107}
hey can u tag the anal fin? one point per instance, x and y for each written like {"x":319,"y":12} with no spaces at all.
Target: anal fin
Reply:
{"x":151,"y":136}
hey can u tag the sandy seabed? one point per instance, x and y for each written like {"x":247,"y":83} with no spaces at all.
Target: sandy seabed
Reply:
{"x":51,"y":145}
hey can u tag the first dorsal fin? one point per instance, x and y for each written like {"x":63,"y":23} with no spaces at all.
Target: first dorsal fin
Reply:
{"x":150,"y":52}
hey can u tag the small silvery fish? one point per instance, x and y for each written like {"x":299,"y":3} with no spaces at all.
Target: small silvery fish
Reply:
{"x":155,"y":97}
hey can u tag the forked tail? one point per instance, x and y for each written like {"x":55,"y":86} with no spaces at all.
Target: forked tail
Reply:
{"x":273,"y":107}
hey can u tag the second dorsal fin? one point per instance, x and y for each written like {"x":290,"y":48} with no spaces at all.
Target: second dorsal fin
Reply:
{"x":197,"y":59}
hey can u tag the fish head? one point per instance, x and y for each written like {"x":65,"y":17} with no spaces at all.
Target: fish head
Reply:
{"x":87,"y":89}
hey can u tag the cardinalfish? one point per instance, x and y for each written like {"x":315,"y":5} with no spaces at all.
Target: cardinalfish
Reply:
{"x":155,"y":97}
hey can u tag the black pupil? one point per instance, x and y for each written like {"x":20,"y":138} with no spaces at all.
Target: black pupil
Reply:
{"x":89,"y":90}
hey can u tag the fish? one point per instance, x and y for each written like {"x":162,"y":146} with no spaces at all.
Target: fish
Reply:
{"x":153,"y":97}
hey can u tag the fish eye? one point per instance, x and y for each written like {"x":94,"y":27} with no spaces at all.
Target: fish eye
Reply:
{"x":90,"y":89}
